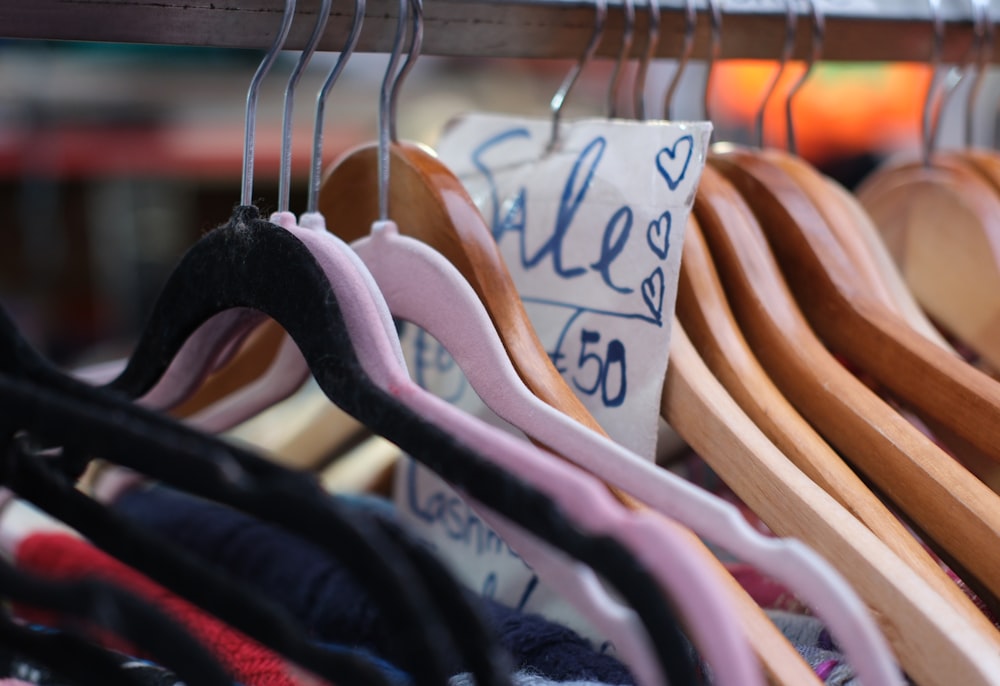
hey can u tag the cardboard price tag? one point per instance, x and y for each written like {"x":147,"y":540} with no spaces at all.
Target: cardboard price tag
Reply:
{"x":592,"y":235}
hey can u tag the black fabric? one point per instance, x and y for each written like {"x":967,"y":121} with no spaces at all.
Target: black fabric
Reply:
{"x":239,"y":265}
{"x":477,"y":645}
{"x":255,"y":485}
{"x":318,"y":591}
{"x":36,"y":481}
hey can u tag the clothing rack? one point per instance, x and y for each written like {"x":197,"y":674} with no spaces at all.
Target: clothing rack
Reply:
{"x":856,"y":30}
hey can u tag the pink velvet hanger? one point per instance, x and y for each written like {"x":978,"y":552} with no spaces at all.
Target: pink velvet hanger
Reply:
{"x":288,"y":371}
{"x":210,"y":348}
{"x":408,"y":274}
{"x":415,"y":279}
{"x":216,"y":342}
{"x":575,"y":582}
{"x":708,"y":616}
{"x":687,"y":580}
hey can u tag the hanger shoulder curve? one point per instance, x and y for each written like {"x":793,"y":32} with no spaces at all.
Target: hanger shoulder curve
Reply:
{"x":933,"y":382}
{"x":942,"y":227}
{"x":719,"y":430}
{"x":440,"y":213}
{"x":902,"y":296}
{"x":836,"y":214}
{"x":862,"y":242}
{"x":915,"y":474}
{"x":706,"y":317}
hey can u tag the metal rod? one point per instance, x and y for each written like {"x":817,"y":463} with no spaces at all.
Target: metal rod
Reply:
{"x":857,"y":30}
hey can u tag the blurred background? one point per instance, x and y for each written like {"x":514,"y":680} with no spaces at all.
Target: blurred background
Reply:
{"x":113,"y":159}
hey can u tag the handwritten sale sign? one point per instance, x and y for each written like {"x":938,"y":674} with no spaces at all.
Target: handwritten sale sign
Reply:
{"x":592,"y":233}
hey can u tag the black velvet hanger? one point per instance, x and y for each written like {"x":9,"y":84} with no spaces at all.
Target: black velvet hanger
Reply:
{"x":376,"y":563}
{"x":238,"y":265}
{"x":94,"y":603}
{"x":473,"y":634}
{"x":37,"y":480}
{"x":287,"y":498}
{"x":253,"y":264}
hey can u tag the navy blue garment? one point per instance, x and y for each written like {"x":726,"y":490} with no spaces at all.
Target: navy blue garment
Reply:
{"x":318,"y":590}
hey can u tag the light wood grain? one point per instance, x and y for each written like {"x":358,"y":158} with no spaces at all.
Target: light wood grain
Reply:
{"x":956,"y":511}
{"x":935,"y":646}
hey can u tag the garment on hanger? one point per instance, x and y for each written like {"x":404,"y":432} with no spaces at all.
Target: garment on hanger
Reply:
{"x":330,"y":605}
{"x":63,"y":557}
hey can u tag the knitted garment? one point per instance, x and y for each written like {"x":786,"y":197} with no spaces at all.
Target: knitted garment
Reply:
{"x":333,"y":607}
{"x":59,"y":556}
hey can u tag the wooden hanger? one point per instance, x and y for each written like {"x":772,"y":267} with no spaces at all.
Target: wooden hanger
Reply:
{"x":717,"y":428}
{"x":942,"y":227}
{"x":946,"y":238}
{"x":705,"y":314}
{"x":924,"y":482}
{"x":853,"y":228}
{"x":855,"y":323}
{"x":712,"y":422}
{"x":774,"y":197}
{"x":935,"y":384}
{"x":703,"y":308}
{"x":836,"y":403}
{"x":876,"y":254}
{"x":440,"y":213}
{"x":860,"y":240}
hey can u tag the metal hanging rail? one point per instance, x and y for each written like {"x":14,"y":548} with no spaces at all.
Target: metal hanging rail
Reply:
{"x":857,"y":30}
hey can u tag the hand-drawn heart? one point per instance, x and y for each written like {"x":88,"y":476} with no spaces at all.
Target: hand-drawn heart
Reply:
{"x":658,"y":235}
{"x":652,"y":294}
{"x":673,"y":161}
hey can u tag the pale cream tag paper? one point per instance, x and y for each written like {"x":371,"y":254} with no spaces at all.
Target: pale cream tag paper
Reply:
{"x":592,"y":234}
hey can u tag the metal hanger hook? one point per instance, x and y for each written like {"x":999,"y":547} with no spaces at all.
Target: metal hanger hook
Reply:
{"x":385,"y":111}
{"x":714,"y":52}
{"x":791,"y":24}
{"x":985,"y":37}
{"x":416,"y":44}
{"x":690,"y":25}
{"x":253,"y":96}
{"x":653,"y":41}
{"x":285,"y":173}
{"x":931,"y":115}
{"x":316,"y":171}
{"x":628,"y":37}
{"x":954,"y":76}
{"x":559,"y":99}
{"x":815,"y":55}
